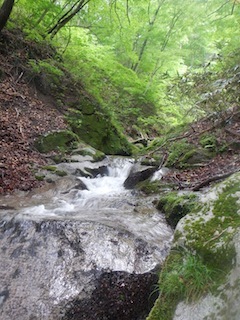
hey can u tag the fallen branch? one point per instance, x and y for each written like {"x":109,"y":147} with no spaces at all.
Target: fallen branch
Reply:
{"x":211,"y":179}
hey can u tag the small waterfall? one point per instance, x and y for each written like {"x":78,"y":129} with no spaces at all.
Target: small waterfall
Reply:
{"x":111,"y":184}
{"x":106,"y":201}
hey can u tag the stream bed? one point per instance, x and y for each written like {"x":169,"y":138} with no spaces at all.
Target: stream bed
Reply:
{"x":89,"y":252}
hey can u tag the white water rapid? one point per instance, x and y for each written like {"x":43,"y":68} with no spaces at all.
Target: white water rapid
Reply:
{"x":105,"y":201}
{"x":104,"y":204}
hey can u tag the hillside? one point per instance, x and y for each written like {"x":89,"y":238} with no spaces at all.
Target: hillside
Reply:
{"x":34,"y":102}
{"x":25,"y":114}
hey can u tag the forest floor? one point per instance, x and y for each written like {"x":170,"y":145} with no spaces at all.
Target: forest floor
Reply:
{"x":225,"y":126}
{"x":25,"y":114}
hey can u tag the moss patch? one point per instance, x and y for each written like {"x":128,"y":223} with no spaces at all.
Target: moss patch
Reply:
{"x":62,"y":141}
{"x":97,"y":130}
{"x":212,"y":238}
{"x":176,"y":206}
{"x":49,"y":168}
{"x":153,"y":187}
{"x":61,"y":173}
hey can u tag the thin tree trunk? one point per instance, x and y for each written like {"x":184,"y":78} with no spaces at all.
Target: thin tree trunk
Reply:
{"x":67,"y":17}
{"x":5,"y":12}
{"x":42,"y":16}
{"x":145,"y":42}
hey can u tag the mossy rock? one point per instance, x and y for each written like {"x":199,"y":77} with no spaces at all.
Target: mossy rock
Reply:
{"x":39,"y":177}
{"x":177,"y":153}
{"x":49,"y":168}
{"x":208,"y":231}
{"x":98,"y":130}
{"x":185,"y":155}
{"x":85,"y":150}
{"x":61,"y":173}
{"x":176,"y":206}
{"x":63,"y":141}
{"x":195,"y":157}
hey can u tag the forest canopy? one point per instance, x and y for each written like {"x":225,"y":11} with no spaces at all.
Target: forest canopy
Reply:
{"x":151,"y":65}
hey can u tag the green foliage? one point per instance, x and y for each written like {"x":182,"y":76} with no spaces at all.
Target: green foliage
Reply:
{"x":145,"y":64}
{"x":46,"y":67}
{"x":178,"y":152}
{"x":74,"y":118}
{"x":184,"y":276}
{"x":208,"y":141}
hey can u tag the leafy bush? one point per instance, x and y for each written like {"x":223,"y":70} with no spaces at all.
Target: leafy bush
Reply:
{"x":47,"y":68}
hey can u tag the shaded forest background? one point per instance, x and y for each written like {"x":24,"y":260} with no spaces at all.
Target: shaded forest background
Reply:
{"x":151,"y":66}
{"x":161,"y":72}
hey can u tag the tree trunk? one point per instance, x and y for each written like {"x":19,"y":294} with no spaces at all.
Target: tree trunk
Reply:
{"x":5,"y":12}
{"x":67,"y":17}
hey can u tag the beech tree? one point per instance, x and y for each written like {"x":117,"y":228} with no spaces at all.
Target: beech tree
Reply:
{"x":5,"y":12}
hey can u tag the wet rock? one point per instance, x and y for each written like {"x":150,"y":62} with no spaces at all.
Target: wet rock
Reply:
{"x":137,"y":176}
{"x":57,"y":270}
{"x":80,"y":185}
{"x":101,"y":170}
{"x":118,"y":296}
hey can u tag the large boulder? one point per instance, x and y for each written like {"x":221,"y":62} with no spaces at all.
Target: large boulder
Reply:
{"x":201,"y":277}
{"x":73,"y":270}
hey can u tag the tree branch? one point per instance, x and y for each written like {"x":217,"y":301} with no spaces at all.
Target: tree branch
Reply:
{"x":211,"y":179}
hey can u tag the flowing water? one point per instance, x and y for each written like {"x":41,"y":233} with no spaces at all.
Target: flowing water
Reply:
{"x":105,"y":201}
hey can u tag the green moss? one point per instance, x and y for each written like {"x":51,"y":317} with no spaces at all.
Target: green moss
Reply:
{"x":179,"y":152}
{"x":153,"y":187}
{"x":208,"y":254}
{"x":62,"y":141}
{"x":49,"y":168}
{"x":213,"y":238}
{"x":208,"y":141}
{"x":61,"y":173}
{"x":98,"y":156}
{"x":47,"y":70}
{"x":39,"y":177}
{"x":176,"y":206}
{"x":98,"y":130}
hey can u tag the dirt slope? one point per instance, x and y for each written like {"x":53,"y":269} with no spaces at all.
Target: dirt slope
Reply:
{"x":24,"y":114}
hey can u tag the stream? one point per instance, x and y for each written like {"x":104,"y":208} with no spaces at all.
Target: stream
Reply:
{"x":68,"y":253}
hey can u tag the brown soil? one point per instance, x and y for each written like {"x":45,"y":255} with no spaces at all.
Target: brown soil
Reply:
{"x":24,"y":115}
